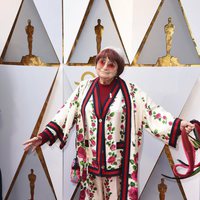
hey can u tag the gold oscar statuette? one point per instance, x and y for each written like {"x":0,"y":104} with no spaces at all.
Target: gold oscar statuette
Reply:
{"x":31,"y":59}
{"x":168,"y":59}
{"x":32,"y":179}
{"x":98,"y":29}
{"x":99,"y":32}
{"x":29,"y":31}
{"x":162,"y":188}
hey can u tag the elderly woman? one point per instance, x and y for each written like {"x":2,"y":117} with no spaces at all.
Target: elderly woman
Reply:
{"x":109,"y":115}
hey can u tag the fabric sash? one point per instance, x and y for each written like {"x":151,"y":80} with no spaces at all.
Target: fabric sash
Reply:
{"x":190,"y":146}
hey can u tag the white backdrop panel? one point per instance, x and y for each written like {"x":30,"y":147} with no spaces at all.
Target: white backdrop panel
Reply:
{"x":125,"y":10}
{"x":8,"y":11}
{"x":73,"y":13}
{"x":53,"y":155}
{"x":193,"y":15}
{"x":23,"y":91}
{"x":51,"y":16}
{"x":132,"y":22}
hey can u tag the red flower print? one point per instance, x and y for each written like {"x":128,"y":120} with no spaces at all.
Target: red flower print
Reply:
{"x":150,"y":112}
{"x":94,"y":153}
{"x":91,"y":132}
{"x":164,"y":117}
{"x":110,"y":137}
{"x":122,"y":126}
{"x":108,"y":118}
{"x":111,"y":159}
{"x":82,"y":153}
{"x":84,"y":175}
{"x":113,"y":147}
{"x":77,"y":126}
{"x":91,"y":195}
{"x":93,"y":124}
{"x":134,"y":176}
{"x":82,"y":195}
{"x":136,"y":158}
{"x":158,"y":116}
{"x":93,"y":143}
{"x":139,"y":133}
{"x":91,"y":177}
{"x":106,"y":183}
{"x":109,"y":128}
{"x":80,"y":137}
{"x":133,"y":193}
{"x":170,"y":123}
{"x":166,"y":137}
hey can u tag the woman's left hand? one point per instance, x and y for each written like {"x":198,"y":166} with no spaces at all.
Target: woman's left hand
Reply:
{"x":187,"y":126}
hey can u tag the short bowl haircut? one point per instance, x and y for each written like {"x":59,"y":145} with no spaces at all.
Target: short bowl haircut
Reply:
{"x":113,"y":56}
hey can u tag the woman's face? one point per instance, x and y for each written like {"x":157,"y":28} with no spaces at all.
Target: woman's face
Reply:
{"x":106,"y":69}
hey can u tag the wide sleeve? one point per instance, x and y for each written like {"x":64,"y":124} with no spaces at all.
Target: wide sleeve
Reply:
{"x":157,"y":121}
{"x":59,"y":127}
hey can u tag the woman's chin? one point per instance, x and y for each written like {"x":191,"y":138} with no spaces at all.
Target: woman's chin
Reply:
{"x":105,"y":77}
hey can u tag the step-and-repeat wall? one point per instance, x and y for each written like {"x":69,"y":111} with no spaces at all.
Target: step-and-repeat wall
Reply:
{"x":47,"y":47}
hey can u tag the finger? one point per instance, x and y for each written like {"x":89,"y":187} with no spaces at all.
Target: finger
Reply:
{"x":188,"y":130}
{"x":27,"y":142}
{"x":33,"y":149}
{"x":27,"y":147}
{"x":30,"y":141}
{"x":191,"y":126}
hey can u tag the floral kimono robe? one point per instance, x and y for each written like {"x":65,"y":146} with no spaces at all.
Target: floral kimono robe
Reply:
{"x":109,"y":136}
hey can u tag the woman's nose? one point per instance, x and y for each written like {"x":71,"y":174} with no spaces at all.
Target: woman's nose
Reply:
{"x":105,"y":65}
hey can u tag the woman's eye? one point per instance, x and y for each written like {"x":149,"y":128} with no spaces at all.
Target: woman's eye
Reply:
{"x":111,"y":65}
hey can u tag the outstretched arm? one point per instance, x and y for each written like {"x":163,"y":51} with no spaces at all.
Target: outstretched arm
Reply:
{"x":59,"y":127}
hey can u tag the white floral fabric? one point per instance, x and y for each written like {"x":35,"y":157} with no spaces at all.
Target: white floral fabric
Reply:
{"x":109,"y":136}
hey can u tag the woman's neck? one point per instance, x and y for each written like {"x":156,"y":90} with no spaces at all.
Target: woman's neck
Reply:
{"x":105,"y":81}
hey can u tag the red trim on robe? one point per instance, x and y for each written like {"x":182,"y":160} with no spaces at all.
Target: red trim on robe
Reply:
{"x":175,"y":132}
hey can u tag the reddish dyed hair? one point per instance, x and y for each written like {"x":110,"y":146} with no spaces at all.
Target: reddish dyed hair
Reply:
{"x":113,"y":56}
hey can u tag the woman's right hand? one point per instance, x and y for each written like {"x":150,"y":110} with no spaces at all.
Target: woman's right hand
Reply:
{"x":33,"y":143}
